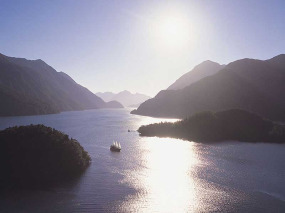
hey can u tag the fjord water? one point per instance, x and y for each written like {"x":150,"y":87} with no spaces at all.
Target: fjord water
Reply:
{"x":154,"y":174}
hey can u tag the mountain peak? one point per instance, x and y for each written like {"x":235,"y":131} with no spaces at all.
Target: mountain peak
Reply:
{"x":208,"y":62}
{"x":278,"y":57}
{"x":278,"y":61}
{"x":204,"y":69}
{"x":125,"y":92}
{"x":125,"y":97}
{"x":39,"y":61}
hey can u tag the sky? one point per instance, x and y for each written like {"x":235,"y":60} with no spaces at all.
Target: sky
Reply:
{"x":139,"y":45}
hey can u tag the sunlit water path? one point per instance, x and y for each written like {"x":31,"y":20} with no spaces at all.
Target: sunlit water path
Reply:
{"x":154,"y":174}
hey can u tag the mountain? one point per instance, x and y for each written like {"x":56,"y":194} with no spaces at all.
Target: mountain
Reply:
{"x":200,"y":71}
{"x":32,"y":87}
{"x":253,"y":85}
{"x":125,"y":97}
{"x":106,"y":96}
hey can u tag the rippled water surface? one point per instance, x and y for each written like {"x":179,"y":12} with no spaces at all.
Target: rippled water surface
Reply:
{"x":154,"y":174}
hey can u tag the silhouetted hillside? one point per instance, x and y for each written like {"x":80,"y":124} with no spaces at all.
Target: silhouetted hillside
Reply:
{"x":37,"y":155}
{"x":125,"y":97}
{"x":113,"y":104}
{"x":30,"y":87}
{"x":200,"y":71}
{"x":235,"y":124}
{"x":253,"y":85}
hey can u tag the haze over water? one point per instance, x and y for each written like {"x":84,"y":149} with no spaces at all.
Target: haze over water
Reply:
{"x":154,"y":174}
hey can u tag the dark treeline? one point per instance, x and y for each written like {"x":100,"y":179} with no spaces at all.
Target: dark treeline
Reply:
{"x":37,"y":155}
{"x":232,"y":124}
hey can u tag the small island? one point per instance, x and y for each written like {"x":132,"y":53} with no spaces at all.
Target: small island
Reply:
{"x":39,"y":156}
{"x":234,"y":124}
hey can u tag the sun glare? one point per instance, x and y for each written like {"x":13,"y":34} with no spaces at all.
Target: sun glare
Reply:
{"x":166,"y":182}
{"x":174,"y":31}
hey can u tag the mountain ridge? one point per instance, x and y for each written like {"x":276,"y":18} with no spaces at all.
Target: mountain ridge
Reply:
{"x":32,"y":87}
{"x":124,"y":97}
{"x":253,"y":85}
{"x":200,"y":71}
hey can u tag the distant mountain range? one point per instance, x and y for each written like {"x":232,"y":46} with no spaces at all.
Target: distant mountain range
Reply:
{"x":253,"y":85}
{"x":32,"y":87}
{"x":125,"y":97}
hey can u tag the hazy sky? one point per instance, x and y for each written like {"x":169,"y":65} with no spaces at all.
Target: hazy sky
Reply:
{"x":142,"y":46}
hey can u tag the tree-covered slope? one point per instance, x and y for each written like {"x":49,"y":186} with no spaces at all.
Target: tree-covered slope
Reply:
{"x":235,"y":124}
{"x":37,"y":155}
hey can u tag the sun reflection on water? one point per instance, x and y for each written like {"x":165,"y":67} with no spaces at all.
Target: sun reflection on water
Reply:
{"x":165,"y":182}
{"x":150,"y":120}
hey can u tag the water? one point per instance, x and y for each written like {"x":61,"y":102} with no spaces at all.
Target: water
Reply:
{"x":154,"y":174}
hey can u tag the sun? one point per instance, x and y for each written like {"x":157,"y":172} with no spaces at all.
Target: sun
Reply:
{"x":174,"y":31}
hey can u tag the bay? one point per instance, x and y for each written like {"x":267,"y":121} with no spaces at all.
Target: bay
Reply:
{"x":153,"y":174}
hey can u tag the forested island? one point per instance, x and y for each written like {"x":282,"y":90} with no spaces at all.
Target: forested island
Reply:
{"x":39,"y":156}
{"x":235,"y":124}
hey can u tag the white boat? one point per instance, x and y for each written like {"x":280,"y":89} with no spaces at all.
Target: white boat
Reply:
{"x":115,"y":147}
